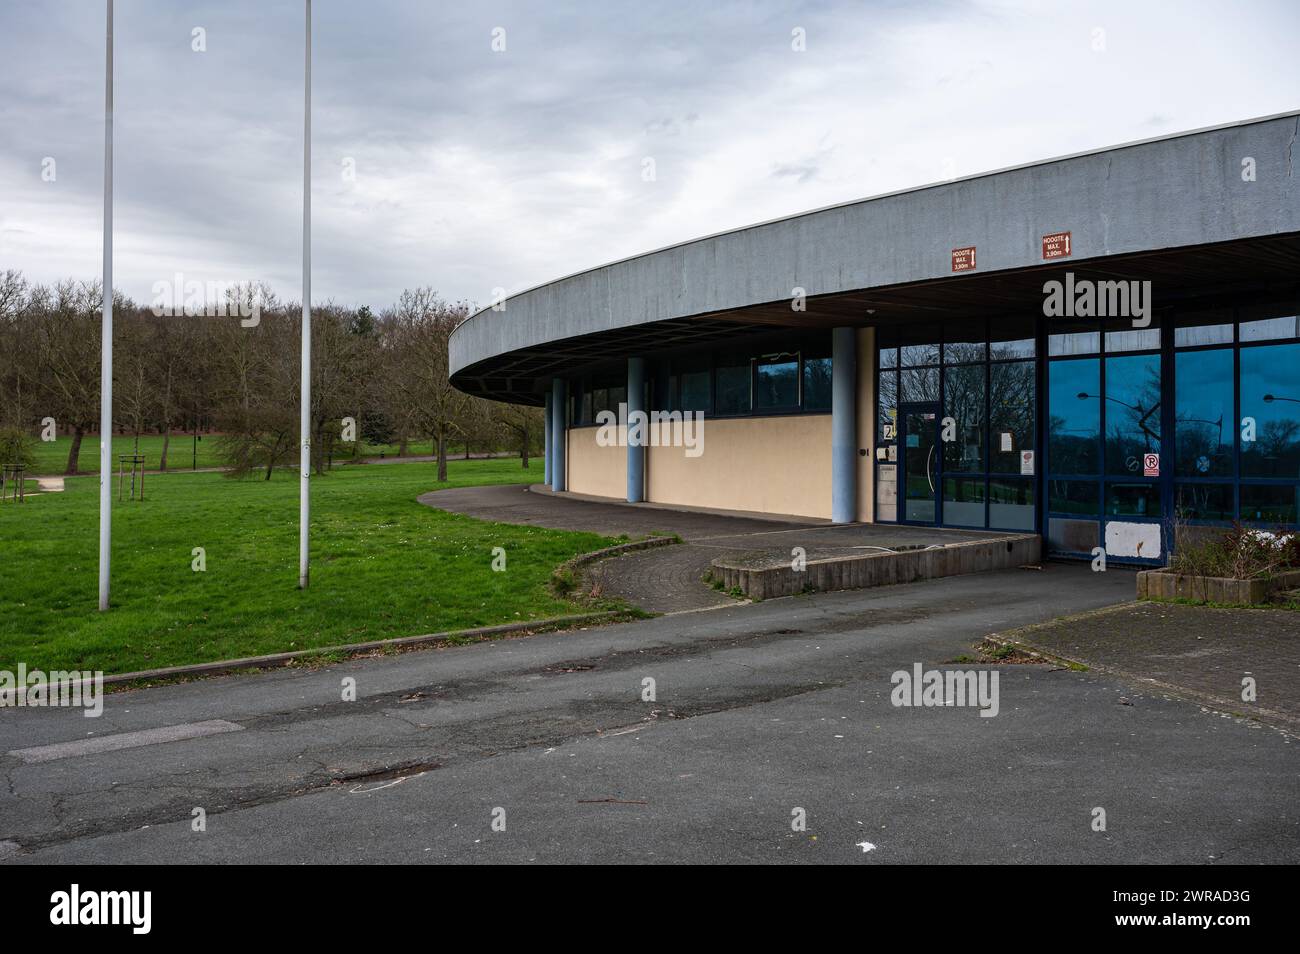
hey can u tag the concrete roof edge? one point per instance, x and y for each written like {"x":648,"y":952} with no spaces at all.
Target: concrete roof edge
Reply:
{"x":897,"y":192}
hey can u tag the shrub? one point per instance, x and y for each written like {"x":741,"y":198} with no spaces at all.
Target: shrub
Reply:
{"x":1238,"y":553}
{"x":17,"y":447}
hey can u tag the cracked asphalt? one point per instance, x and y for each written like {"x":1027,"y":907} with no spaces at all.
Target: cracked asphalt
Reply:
{"x":759,"y":709}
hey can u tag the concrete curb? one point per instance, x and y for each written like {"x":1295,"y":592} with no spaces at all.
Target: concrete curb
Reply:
{"x":274,"y":660}
{"x":575,"y":564}
{"x":1164,"y":584}
{"x":583,"y":559}
{"x":881,"y":569}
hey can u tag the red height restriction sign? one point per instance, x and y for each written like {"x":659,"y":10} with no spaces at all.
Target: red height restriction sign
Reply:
{"x":1056,"y":245}
{"x":963,"y":259}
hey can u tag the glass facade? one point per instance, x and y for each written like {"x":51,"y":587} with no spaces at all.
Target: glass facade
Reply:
{"x":1092,"y":433}
{"x":738,"y":381}
{"x":956,"y":424}
{"x":1195,"y":417}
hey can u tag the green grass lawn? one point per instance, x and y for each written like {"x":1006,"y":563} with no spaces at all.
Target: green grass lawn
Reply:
{"x":52,"y":456}
{"x":382,"y":566}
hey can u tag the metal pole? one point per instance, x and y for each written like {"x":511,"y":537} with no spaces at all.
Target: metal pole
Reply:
{"x":304,"y":488}
{"x":106,"y":333}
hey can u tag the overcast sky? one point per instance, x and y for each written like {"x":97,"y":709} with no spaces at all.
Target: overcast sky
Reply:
{"x":477,"y":169}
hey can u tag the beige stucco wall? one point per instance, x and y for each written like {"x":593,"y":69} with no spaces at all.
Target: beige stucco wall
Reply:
{"x":766,"y":464}
{"x":592,"y":469}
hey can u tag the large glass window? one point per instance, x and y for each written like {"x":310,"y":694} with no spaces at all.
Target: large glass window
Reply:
{"x":1011,"y":415}
{"x":1205,"y":502}
{"x":1074,"y":497}
{"x":776,"y":381}
{"x":919,"y":385}
{"x":816,"y":384}
{"x":1270,"y":503}
{"x":1012,"y":338}
{"x":1203,"y":415}
{"x":963,"y":401}
{"x":732,"y":381}
{"x":963,"y":342}
{"x":1270,"y":400}
{"x":1072,"y":337}
{"x":1011,"y":504}
{"x":963,"y":501}
{"x":695,"y":386}
{"x":920,"y":345}
{"x":887,"y":406}
{"x":1132,"y":412}
{"x":1074,"y":416}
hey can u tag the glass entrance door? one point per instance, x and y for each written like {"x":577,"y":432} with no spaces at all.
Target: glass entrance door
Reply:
{"x":919,"y":460}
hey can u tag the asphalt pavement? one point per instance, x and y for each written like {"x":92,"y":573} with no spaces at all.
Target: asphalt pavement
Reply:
{"x":544,"y":749}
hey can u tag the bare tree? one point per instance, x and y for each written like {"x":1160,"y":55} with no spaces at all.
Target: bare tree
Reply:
{"x":67,"y":326}
{"x":414,"y":335}
{"x":524,"y":424}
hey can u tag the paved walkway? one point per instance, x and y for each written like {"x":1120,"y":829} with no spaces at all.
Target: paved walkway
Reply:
{"x":1196,"y":651}
{"x":669,"y":579}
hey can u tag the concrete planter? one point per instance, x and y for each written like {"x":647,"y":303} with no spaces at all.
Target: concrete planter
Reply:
{"x":1164,"y":584}
{"x":880,"y":569}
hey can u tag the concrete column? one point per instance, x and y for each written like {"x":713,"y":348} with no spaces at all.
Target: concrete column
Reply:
{"x":558,"y":407}
{"x":636,"y":449}
{"x":547,"y":442}
{"x":844,"y":425}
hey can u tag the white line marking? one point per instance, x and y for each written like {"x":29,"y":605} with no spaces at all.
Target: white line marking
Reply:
{"x":125,"y":740}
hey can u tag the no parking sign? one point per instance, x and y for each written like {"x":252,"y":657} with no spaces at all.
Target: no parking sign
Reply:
{"x":1150,"y":465}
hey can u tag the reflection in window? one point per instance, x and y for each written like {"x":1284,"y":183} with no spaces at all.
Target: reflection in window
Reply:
{"x":1205,"y":501}
{"x":963,"y":390}
{"x":1203,"y":426}
{"x":1011,"y":504}
{"x":1132,"y":412}
{"x":1072,"y":337}
{"x":732,"y":382}
{"x":920,"y":384}
{"x":1133,"y":339}
{"x":963,"y":342}
{"x":816,"y":384}
{"x":887,"y":403}
{"x":1268,"y":329}
{"x":1133,"y":500}
{"x":963,"y":501}
{"x":1195,"y":332}
{"x":920,"y":345}
{"x":1011,"y":415}
{"x":1269,"y":503}
{"x":1073,"y":497}
{"x":1074,"y":424}
{"x":1270,"y":397}
{"x":694,"y":390}
{"x":1012,"y":338}
{"x":776,"y":381}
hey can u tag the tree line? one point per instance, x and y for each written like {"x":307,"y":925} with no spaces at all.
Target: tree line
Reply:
{"x":384,"y":374}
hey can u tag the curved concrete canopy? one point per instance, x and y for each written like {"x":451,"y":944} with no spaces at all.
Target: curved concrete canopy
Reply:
{"x":1176,"y":209}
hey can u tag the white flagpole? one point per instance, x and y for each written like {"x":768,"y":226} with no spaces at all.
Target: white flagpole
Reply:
{"x":106,"y":333}
{"x":304,"y":487}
